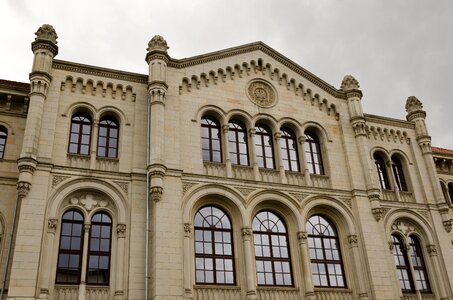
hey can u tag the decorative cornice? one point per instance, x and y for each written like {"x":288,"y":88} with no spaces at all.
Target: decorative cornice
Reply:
{"x":388,"y":121}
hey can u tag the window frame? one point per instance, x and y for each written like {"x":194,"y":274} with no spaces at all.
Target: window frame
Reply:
{"x":214,"y":256}
{"x":287,"y":137}
{"x":381,"y":171}
{"x":210,"y":128}
{"x":398,"y":243}
{"x":236,"y":142}
{"x":261,"y":132}
{"x":272,"y":258}
{"x":450,"y":192}
{"x":312,"y":144}
{"x":398,"y":173}
{"x":80,"y":134}
{"x":325,"y":262}
{"x":3,"y":140}
{"x":108,"y":138}
{"x":415,"y":247}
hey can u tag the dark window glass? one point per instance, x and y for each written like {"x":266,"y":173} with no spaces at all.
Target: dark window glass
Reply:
{"x":402,"y":265}
{"x":70,"y":248}
{"x":313,"y":153}
{"x":325,"y":255}
{"x":237,"y":143}
{"x":381,"y":172}
{"x":416,"y":255}
{"x":214,"y":263}
{"x":444,"y":191}
{"x":273,"y":262}
{"x":108,"y":138}
{"x":450,"y":191}
{"x":3,"y":136}
{"x":264,"y":147}
{"x":98,"y":268}
{"x":399,"y":174}
{"x":80,"y":135}
{"x":211,"y":145}
{"x":288,"y":144}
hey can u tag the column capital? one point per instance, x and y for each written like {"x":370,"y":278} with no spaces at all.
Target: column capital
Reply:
{"x":87,"y":226}
{"x":121,"y":230}
{"x":246,"y":233}
{"x":187,"y":229}
{"x":52,"y":225}
{"x":432,"y":249}
{"x":23,"y":188}
{"x":277,"y":135}
{"x":252,"y":131}
{"x":225,"y":128}
{"x":302,"y":236}
{"x":353,"y":240}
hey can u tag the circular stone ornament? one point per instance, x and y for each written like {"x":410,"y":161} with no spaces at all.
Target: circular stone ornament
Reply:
{"x":261,"y":93}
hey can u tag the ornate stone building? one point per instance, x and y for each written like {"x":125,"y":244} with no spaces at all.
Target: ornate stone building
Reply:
{"x":236,"y":174}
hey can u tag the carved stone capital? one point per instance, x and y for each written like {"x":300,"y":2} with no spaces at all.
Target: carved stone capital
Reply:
{"x":377,"y":213}
{"x":246,"y":233}
{"x":391,"y":246}
{"x":156,"y":193}
{"x":87,"y":227}
{"x":432,"y":249}
{"x":349,"y":83}
{"x":121,"y":230}
{"x":52,"y":225}
{"x":277,"y":136}
{"x":359,"y":126}
{"x":373,"y":194}
{"x":23,"y":188}
{"x":252,"y":132}
{"x":352,"y":240}
{"x":447,"y":225}
{"x":187,"y":229}
{"x":225,"y":128}
{"x":302,"y":236}
{"x":46,"y":38}
{"x":157,"y":43}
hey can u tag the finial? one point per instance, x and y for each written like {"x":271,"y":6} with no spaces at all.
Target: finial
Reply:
{"x":46,"y":32}
{"x":413,"y":104}
{"x":349,"y":83}
{"x":157,"y":43}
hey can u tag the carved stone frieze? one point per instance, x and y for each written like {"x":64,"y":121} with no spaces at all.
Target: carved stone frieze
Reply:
{"x":379,"y":213}
{"x":123,"y":185}
{"x":52,"y":225}
{"x":403,"y":226}
{"x":89,"y":201}
{"x":121,"y":230}
{"x":347,"y":201}
{"x":186,"y":186}
{"x":57,"y":179}
{"x":261,"y":93}
{"x":244,"y":191}
{"x":156,"y":193}
{"x":300,"y":197}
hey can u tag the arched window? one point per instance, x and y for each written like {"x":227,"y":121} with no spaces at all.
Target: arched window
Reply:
{"x":264,"y":147}
{"x":399,"y":174}
{"x":273,"y":263}
{"x":444,"y":192}
{"x":3,"y":136}
{"x":211,"y":139}
{"x":70,"y":249}
{"x":421,"y":276}
{"x":450,"y":191}
{"x":108,"y":137}
{"x":79,"y":140}
{"x":325,"y":254}
{"x":402,"y":265}
{"x":288,"y":144}
{"x":381,"y":172}
{"x":313,"y":153}
{"x":98,"y":268}
{"x":214,"y":263}
{"x":237,"y":143}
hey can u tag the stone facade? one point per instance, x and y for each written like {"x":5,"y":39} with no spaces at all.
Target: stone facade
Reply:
{"x":157,"y":170}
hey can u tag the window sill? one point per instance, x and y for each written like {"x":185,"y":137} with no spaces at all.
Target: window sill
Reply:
{"x":217,"y":286}
{"x":276,"y":288}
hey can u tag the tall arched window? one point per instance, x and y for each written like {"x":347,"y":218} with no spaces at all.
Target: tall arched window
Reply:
{"x":450,"y":191}
{"x":108,"y":137}
{"x":288,"y":144}
{"x":80,"y":136}
{"x":214,"y":263}
{"x":211,"y":139}
{"x":264,"y":147}
{"x":325,"y":254}
{"x":237,"y":143}
{"x":402,"y":265}
{"x":98,"y":268}
{"x":70,"y":249}
{"x":381,"y":172}
{"x":444,"y":192}
{"x":421,"y":276}
{"x":399,"y":174}
{"x":3,"y":136}
{"x":313,"y":153}
{"x":273,"y":263}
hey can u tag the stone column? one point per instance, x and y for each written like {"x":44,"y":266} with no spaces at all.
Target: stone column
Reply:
{"x":302,"y":237}
{"x":303,"y":161}
{"x":278,"y":156}
{"x":354,"y":96}
{"x":441,"y":288}
{"x":187,"y":259}
{"x":252,"y":158}
{"x":47,"y":249}
{"x":121,"y":237}
{"x":226,"y":149}
{"x":83,"y":275}
{"x":94,"y":143}
{"x":249,"y":261}
{"x":357,"y":264}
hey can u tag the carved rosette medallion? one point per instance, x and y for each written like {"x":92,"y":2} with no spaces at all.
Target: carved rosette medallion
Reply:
{"x":261,"y":93}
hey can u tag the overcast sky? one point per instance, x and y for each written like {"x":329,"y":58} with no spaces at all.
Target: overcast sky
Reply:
{"x":395,"y":49}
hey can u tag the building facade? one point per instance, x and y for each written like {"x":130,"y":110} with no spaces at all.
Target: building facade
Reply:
{"x":235,"y":174}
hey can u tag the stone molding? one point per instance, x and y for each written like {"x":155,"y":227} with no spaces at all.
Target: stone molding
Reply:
{"x":386,"y":134}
